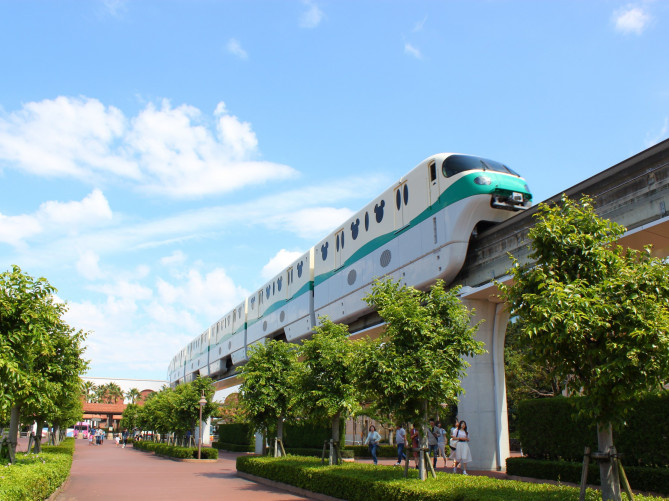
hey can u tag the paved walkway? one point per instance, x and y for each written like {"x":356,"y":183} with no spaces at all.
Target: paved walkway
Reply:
{"x":110,"y":473}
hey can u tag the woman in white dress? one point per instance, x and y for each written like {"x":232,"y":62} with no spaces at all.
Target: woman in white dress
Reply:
{"x":462,"y":452}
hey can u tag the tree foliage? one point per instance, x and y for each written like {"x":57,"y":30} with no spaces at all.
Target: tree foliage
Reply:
{"x":268,"y":384}
{"x":594,"y":311}
{"x":40,"y":355}
{"x":418,"y":361}
{"x":327,"y":379}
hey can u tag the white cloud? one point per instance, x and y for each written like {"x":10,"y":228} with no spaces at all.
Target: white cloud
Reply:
{"x":312,"y":17}
{"x":412,"y":51}
{"x":165,"y":150}
{"x":311,"y":223}
{"x":631,"y":19}
{"x":56,"y":218}
{"x":653,"y":138}
{"x":174,"y":259}
{"x":281,"y":260}
{"x":235,"y":48}
{"x":212,"y":295}
{"x":90,"y":211}
{"x":88,"y":265}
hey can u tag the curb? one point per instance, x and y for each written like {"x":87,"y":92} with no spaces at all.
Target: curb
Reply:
{"x":287,"y":487}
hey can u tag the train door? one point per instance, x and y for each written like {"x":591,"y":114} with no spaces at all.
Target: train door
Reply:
{"x":433,"y":180}
{"x":339,"y":248}
{"x":401,"y":199}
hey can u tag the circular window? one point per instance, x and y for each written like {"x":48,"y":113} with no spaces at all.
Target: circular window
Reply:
{"x":366,"y":221}
{"x":264,"y":325}
{"x":352,"y":275}
{"x":220,"y":350}
{"x":229,"y":344}
{"x":398,"y":199}
{"x":282,"y":316}
{"x":385,"y":258}
{"x":406,"y":194}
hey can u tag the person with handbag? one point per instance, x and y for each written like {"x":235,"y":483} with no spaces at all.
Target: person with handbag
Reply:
{"x":453,"y":443}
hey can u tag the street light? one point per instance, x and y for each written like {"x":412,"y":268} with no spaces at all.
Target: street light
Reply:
{"x":199,"y":445}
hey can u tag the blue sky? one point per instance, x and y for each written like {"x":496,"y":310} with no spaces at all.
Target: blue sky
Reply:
{"x":159,"y":160}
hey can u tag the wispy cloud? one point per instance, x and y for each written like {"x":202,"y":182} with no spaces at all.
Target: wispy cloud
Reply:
{"x":412,"y":51}
{"x":278,"y":262}
{"x":631,"y":19}
{"x":114,"y":7}
{"x":419,"y":25}
{"x":655,"y":137}
{"x":235,"y":48}
{"x":312,"y":17}
{"x":176,"y":152}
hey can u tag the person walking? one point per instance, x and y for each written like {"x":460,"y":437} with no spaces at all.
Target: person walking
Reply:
{"x":117,"y":439}
{"x":415,"y":443}
{"x":441,"y":443}
{"x":125,"y":437}
{"x":401,"y":439}
{"x":453,"y":442}
{"x":372,"y":441}
{"x":432,"y":442}
{"x":462,"y":453}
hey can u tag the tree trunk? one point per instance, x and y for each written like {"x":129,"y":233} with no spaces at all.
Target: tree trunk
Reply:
{"x":56,"y":434}
{"x":15,"y":414}
{"x":607,"y":469}
{"x":38,"y":437}
{"x":335,"y":437}
{"x":422,"y":467}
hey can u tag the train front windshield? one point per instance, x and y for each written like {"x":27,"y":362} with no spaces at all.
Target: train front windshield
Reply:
{"x":456,"y":164}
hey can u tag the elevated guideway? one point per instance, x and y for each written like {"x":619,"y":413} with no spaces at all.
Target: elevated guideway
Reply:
{"x":634,"y":193}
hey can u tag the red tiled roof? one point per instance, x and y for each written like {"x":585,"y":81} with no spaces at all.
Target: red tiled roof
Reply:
{"x":92,"y":408}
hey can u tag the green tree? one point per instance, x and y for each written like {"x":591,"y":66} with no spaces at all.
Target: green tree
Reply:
{"x":595,"y":312}
{"x":32,"y":333}
{"x":88,"y":390}
{"x":326,"y":378}
{"x":267,"y":388}
{"x":130,"y":418}
{"x":187,"y":408}
{"x":101,"y":394}
{"x":417,"y":363}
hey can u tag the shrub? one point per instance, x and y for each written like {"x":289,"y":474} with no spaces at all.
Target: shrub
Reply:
{"x":318,"y":453}
{"x":361,"y":482}
{"x":175,"y":451}
{"x":36,"y":476}
{"x":641,"y":478}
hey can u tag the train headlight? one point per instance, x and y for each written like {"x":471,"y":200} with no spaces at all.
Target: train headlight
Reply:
{"x":482,"y":180}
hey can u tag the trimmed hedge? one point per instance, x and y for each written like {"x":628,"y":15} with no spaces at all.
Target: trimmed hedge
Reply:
{"x":549,"y":429}
{"x":175,"y":451}
{"x":235,"y":433}
{"x":640,"y":478}
{"x":384,"y":451}
{"x":34,"y":477}
{"x":362,"y":482}
{"x":233,"y":447}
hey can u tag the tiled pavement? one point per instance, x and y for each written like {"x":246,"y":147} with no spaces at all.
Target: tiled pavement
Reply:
{"x":115,"y":474}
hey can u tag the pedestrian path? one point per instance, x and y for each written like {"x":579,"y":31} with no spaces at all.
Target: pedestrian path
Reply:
{"x":109,"y":473}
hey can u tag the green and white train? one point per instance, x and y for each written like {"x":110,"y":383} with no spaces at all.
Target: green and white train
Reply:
{"x":416,"y":231}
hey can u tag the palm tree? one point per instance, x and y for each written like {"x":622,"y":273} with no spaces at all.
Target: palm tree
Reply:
{"x":114,"y":392}
{"x":87,"y":390}
{"x":100,"y":393}
{"x":133,"y":395}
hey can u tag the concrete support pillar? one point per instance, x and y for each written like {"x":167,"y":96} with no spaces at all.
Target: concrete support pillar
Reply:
{"x":483,"y":406}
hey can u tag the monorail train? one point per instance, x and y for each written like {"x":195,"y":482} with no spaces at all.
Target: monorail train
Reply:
{"x":416,"y":231}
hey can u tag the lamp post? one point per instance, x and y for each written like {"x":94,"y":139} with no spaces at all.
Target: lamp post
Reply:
{"x":199,"y":445}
